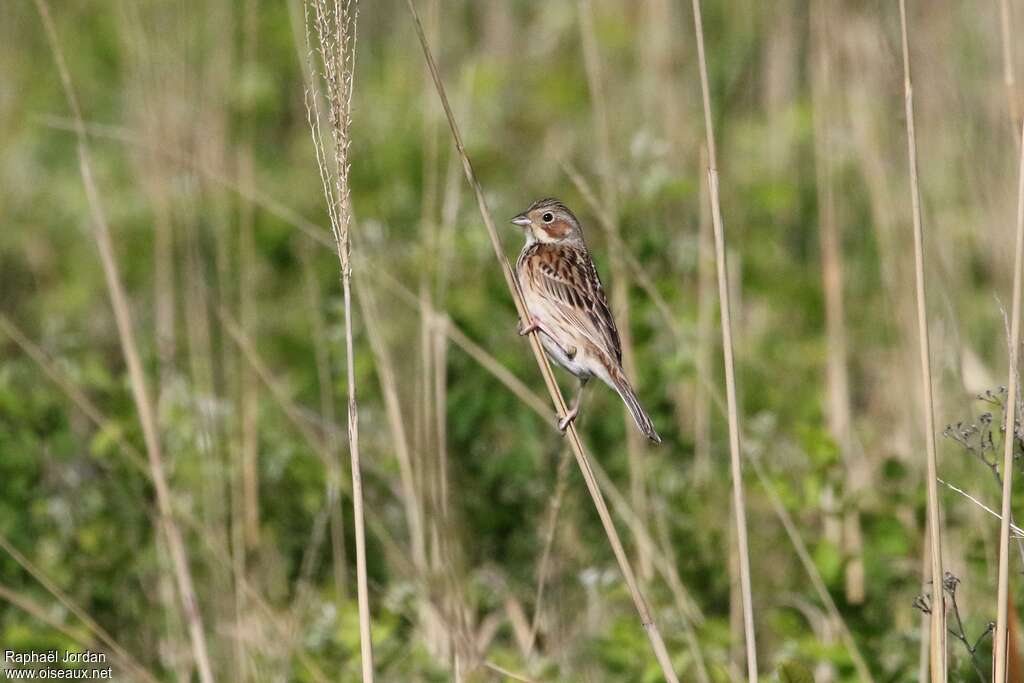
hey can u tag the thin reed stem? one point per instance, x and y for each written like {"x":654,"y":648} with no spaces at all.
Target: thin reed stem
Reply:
{"x":129,"y":348}
{"x":938,"y":616}
{"x":335,"y":27}
{"x":582,"y":459}
{"x":739,"y":500}
{"x":1009,"y":439}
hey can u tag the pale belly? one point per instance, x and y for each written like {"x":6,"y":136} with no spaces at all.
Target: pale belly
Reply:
{"x":577,"y":365}
{"x":581,"y":364}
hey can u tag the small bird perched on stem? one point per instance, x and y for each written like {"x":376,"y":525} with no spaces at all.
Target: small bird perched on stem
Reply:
{"x":568,"y":308}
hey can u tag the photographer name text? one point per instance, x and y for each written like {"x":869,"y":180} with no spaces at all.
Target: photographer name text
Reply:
{"x":54,"y":657}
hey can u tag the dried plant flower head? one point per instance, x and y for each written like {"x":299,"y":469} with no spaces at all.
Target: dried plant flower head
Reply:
{"x":332,"y":66}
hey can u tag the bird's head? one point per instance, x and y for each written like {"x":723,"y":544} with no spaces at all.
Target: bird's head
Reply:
{"x":549,"y":220}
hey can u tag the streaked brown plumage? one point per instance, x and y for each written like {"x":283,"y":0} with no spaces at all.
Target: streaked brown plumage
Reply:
{"x":568,"y":307}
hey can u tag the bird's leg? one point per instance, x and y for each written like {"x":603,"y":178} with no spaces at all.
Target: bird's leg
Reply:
{"x":570,"y":417}
{"x":535,"y":325}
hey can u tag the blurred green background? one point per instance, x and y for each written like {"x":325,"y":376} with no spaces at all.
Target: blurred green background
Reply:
{"x":198,"y":133}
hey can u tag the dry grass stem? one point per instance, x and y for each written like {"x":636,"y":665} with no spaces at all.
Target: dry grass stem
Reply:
{"x":1016,"y":530}
{"x":938,"y":616}
{"x":302,"y":419}
{"x":335,"y":27}
{"x":739,"y":502}
{"x":646,"y":618}
{"x":1009,"y":428}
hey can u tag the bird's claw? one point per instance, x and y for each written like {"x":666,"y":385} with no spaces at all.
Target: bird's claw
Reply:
{"x":569,"y":418}
{"x":532,"y":326}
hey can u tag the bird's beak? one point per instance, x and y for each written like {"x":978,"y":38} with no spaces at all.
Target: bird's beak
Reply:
{"x":521,"y":220}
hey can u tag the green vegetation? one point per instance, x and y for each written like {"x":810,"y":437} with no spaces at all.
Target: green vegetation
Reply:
{"x":198,"y":140}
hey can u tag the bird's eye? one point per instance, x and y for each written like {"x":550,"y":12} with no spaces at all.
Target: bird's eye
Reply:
{"x":548,"y":217}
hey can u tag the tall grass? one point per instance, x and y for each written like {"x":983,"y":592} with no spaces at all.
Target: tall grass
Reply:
{"x":739,"y":508}
{"x":937,"y":622}
{"x":1009,"y":427}
{"x":335,"y":27}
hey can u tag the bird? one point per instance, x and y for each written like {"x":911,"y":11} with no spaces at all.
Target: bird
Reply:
{"x":567,"y":307}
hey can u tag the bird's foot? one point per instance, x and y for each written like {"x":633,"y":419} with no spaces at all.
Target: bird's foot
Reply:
{"x":531,"y":326}
{"x":535,"y":326}
{"x":569,"y":418}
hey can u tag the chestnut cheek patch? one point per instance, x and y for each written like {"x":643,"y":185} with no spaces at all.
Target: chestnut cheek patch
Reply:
{"x":557,"y":229}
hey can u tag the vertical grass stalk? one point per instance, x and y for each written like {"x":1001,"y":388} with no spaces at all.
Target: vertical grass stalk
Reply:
{"x":739,"y":502}
{"x":335,"y":26}
{"x":1000,"y":648}
{"x":937,"y":640}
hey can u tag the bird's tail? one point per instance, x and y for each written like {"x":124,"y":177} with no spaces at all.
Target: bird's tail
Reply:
{"x":640,"y":416}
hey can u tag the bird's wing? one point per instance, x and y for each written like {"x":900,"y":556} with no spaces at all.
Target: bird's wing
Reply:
{"x":567,"y":279}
